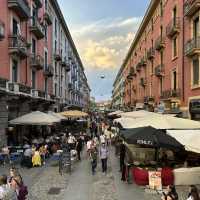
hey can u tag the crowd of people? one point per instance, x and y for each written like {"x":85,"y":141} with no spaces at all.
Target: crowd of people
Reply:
{"x":12,"y":186}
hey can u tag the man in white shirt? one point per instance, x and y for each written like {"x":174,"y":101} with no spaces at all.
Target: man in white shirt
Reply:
{"x":102,"y":139}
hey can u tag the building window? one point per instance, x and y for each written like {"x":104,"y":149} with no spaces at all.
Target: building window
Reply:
{"x":65,"y":45}
{"x":55,"y":88}
{"x":161,"y":8}
{"x":174,"y":79}
{"x":46,"y":85}
{"x":174,"y":47}
{"x":33,"y":79}
{"x":152,"y":67}
{"x":174,"y":15}
{"x":56,"y":69}
{"x":14,"y":71}
{"x":161,"y":31}
{"x":45,"y":60}
{"x":46,"y":33}
{"x":33,"y":46}
{"x":195,"y":72}
{"x":55,"y":43}
{"x":196,"y":28}
{"x":46,"y":4}
{"x":161,"y":86}
{"x":152,"y":24}
{"x":161,"y":58}
{"x":55,"y":27}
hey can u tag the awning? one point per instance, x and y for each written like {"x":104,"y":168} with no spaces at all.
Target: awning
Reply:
{"x":136,"y":114}
{"x":74,"y":114}
{"x":57,"y":115}
{"x":115,"y":113}
{"x":35,"y":118}
{"x":188,"y":138}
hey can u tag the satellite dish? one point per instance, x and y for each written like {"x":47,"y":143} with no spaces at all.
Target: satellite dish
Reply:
{"x":102,"y":76}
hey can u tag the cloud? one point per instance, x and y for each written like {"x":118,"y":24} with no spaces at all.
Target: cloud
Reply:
{"x":104,"y":43}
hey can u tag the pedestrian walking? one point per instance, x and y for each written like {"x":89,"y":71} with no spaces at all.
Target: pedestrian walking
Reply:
{"x":193,"y":193}
{"x":79,"y":146}
{"x":19,"y":187}
{"x":71,"y":141}
{"x":122,"y":155}
{"x":103,"y":153}
{"x":171,"y":193}
{"x":93,"y":157}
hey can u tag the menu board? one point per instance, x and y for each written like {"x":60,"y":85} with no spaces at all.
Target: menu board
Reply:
{"x":155,"y":181}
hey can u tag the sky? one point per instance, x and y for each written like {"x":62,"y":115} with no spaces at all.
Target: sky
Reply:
{"x":102,"y":31}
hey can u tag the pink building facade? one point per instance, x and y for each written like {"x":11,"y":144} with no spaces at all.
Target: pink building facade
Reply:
{"x":28,"y":57}
{"x":161,"y":68}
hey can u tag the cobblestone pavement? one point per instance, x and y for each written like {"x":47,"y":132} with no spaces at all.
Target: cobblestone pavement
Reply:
{"x":46,"y":183}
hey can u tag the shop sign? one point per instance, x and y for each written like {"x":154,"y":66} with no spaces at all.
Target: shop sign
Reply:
{"x":145,"y":142}
{"x":155,"y":181}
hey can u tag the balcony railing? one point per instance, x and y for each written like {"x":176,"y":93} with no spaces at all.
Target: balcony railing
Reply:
{"x":37,"y":61}
{"x":21,"y":8}
{"x":2,"y":30}
{"x":48,"y":71}
{"x":159,"y":70}
{"x":47,"y":15}
{"x":18,"y":46}
{"x":173,"y":27}
{"x":159,"y":43}
{"x":24,"y":89}
{"x":151,"y":53}
{"x":191,"y":7}
{"x":166,"y":94}
{"x":36,"y":28}
{"x":3,"y":83}
{"x":192,"y":47}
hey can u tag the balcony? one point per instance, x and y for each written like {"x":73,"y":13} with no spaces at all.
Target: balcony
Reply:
{"x":36,"y":28}
{"x":65,"y":64}
{"x":24,"y":89}
{"x":159,"y":43}
{"x":47,"y":16}
{"x":159,"y":70}
{"x":143,"y":82}
{"x":48,"y":71}
{"x":167,"y":94}
{"x":37,"y":62}
{"x":173,"y":27}
{"x":191,"y":7}
{"x":192,"y":47}
{"x":21,"y":8}
{"x":38,"y":3}
{"x":18,"y":46}
{"x":2,"y":30}
{"x":151,"y":53}
{"x":57,"y":56}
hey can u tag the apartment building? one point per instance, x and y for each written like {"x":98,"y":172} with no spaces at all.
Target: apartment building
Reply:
{"x":162,"y":64}
{"x":118,"y":92}
{"x":35,"y":65}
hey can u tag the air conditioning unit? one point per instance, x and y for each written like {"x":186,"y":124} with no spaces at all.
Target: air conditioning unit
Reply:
{"x":13,"y":87}
{"x":34,"y":93}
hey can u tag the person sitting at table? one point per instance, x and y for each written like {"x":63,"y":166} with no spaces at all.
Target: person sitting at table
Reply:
{"x":171,"y":193}
{"x":6,"y":154}
{"x":26,"y":161}
{"x":43,"y":152}
{"x":36,"y":159}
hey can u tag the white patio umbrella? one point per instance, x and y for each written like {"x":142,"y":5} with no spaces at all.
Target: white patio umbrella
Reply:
{"x":57,"y":115}
{"x":35,"y":118}
{"x":115,"y":113}
{"x":160,"y":122}
{"x":188,"y":138}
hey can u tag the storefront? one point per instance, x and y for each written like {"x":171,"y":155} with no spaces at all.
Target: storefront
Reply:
{"x":194,"y":109}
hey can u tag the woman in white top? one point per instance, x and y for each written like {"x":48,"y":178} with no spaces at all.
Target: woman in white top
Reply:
{"x":193,"y":194}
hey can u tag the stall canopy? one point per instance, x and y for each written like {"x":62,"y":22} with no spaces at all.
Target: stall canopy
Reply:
{"x":74,"y":114}
{"x":159,"y":122}
{"x":151,"y":137}
{"x":57,"y":115}
{"x":137,"y":114}
{"x":35,"y":118}
{"x":189,"y":138}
